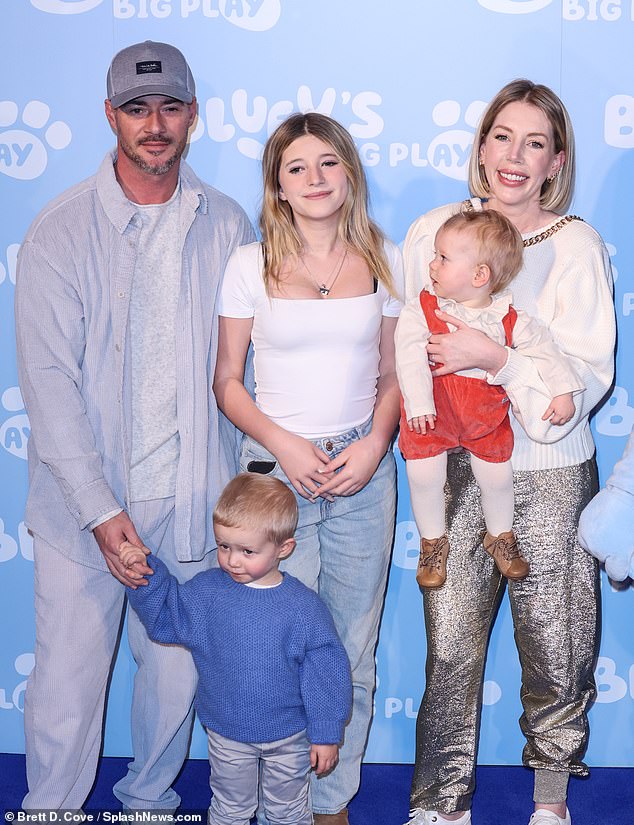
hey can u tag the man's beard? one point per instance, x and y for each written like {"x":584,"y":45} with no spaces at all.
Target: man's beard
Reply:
{"x":144,"y":165}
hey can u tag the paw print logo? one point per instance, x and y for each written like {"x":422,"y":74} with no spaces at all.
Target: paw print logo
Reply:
{"x":23,"y":154}
{"x":66,"y":6}
{"x":9,"y":269}
{"x":514,"y":6}
{"x":15,"y":432}
{"x":448,"y":153}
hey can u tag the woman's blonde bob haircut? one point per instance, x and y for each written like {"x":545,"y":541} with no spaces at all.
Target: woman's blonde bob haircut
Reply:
{"x":260,"y":503}
{"x":556,"y":194}
{"x":280,"y":238}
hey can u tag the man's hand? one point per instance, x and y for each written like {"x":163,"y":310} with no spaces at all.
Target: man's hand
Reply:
{"x":323,"y":758}
{"x":110,"y":536}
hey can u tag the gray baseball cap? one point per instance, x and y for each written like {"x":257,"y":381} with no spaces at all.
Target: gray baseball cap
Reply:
{"x":149,"y":68}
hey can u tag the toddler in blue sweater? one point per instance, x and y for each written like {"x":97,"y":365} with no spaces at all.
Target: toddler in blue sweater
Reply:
{"x":274,"y":690}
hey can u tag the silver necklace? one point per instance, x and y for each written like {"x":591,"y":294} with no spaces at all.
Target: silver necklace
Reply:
{"x":323,"y":289}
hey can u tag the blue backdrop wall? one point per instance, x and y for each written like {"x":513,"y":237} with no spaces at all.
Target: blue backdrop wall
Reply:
{"x":408,"y":79}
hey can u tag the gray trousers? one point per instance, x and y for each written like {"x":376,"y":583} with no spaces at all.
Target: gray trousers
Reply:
{"x":280,"y":769}
{"x":78,"y":613}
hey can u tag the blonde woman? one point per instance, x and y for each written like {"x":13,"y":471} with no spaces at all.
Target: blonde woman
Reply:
{"x":318,"y":299}
{"x":522,"y":166}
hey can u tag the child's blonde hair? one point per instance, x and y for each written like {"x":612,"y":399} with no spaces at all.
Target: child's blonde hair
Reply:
{"x":258,"y":502}
{"x":500,"y":245}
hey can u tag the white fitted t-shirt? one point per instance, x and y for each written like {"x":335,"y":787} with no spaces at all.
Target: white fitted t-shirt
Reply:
{"x":316,"y":360}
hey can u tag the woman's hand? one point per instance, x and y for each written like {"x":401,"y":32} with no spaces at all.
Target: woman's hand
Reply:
{"x":299,"y":458}
{"x":356,"y":465}
{"x":304,"y":465}
{"x":464,"y":349}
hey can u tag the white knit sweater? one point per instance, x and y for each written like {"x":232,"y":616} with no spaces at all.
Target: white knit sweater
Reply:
{"x":566,"y":283}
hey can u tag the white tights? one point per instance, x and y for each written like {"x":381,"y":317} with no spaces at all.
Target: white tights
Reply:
{"x":427,"y":478}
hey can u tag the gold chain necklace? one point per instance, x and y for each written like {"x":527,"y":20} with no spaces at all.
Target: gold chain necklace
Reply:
{"x":551,"y":230}
{"x":542,"y":236}
{"x":322,"y":288}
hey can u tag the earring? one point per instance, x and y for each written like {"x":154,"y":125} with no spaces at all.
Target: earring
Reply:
{"x":551,"y":178}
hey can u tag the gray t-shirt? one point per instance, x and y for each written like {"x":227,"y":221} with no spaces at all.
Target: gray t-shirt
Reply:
{"x":153,"y":303}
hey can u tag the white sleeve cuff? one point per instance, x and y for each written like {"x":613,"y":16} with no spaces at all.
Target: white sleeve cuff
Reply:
{"x":101,"y":519}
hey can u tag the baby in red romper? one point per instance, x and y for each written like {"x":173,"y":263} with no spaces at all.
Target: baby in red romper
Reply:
{"x":477,"y":254}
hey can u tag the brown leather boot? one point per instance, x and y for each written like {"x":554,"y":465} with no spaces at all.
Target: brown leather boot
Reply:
{"x":508,"y":559}
{"x":432,"y":562}
{"x":332,"y":819}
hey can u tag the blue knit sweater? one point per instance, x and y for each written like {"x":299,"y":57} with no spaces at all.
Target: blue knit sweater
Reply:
{"x":269,"y":661}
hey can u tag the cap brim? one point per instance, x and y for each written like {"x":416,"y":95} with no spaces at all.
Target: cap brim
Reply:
{"x":177,"y":92}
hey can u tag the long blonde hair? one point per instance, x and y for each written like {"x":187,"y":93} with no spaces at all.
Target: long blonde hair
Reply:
{"x":280,"y":238}
{"x":556,"y":193}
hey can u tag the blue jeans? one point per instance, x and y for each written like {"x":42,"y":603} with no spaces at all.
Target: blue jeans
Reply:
{"x":343,"y":551}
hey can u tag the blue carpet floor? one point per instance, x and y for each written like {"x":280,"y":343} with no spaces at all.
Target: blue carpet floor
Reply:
{"x":502,"y":797}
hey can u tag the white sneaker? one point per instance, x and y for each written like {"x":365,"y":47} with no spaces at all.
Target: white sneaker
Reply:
{"x":420,"y":817}
{"x":543,"y":817}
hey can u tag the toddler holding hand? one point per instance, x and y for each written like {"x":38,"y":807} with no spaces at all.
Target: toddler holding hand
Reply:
{"x":274,"y":690}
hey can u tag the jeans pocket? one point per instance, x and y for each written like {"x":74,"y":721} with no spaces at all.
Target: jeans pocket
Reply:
{"x":255,"y":459}
{"x":261,"y":466}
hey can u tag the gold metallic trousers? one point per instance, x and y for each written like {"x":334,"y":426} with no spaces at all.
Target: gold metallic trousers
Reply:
{"x":555,"y":617}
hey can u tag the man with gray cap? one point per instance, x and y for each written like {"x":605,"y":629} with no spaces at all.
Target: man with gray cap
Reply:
{"x":117,"y":334}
